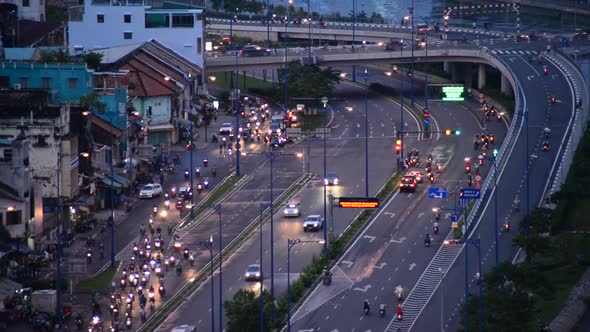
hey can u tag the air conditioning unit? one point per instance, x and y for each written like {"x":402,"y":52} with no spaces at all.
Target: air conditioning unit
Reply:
{"x":17,"y":86}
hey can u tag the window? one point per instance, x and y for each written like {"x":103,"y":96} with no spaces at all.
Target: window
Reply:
{"x":99,"y":18}
{"x":24,"y":82}
{"x":13,"y":217}
{"x":183,"y":20}
{"x":26,"y":3}
{"x":199,"y":46}
{"x":45,"y":82}
{"x":127,"y":35}
{"x":127,"y":18}
{"x":73,"y":83}
{"x":157,"y":20}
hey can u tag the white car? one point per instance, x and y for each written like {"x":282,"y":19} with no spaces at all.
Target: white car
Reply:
{"x":313,"y":222}
{"x":150,"y":190}
{"x":226,"y":129}
{"x":253,"y":273}
{"x":292,"y":209}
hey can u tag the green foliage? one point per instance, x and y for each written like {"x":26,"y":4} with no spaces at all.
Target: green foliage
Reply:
{"x":101,"y":283}
{"x":55,"y":57}
{"x":243,"y":312}
{"x":311,"y":82}
{"x":93,"y":59}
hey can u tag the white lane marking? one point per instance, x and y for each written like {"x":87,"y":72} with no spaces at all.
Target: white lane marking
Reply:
{"x":347,"y":263}
{"x":370,"y":238}
{"x":364,"y":289}
{"x":412,"y":266}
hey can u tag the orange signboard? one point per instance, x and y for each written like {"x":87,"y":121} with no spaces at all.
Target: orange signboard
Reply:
{"x":358,"y":202}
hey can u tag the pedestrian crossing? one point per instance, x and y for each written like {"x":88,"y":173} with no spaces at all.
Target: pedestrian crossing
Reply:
{"x":425,"y":287}
{"x":515,"y":52}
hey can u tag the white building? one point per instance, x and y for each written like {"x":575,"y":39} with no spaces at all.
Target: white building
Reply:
{"x":33,"y":10}
{"x":107,"y":23}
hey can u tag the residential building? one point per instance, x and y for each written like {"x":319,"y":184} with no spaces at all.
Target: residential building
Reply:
{"x":66,"y":83}
{"x":33,"y":10}
{"x":159,"y":87}
{"x":126,"y":22}
{"x":16,"y":190}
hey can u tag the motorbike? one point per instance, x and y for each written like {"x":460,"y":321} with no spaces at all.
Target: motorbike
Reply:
{"x":506,"y":226}
{"x":469,"y":181}
{"x":205,"y":162}
{"x":186,"y":174}
{"x":477,"y":278}
{"x":198,"y":171}
{"x":400,"y":296}
{"x":382,"y":310}
{"x":467,"y":168}
{"x":214,"y":171}
{"x":178,"y":269}
{"x":366,"y":309}
{"x":128,"y":206}
{"x":89,"y":257}
{"x":327,"y":278}
{"x":79,"y":322}
{"x":185,"y":253}
{"x":173,"y":192}
{"x":128,"y":322}
{"x":545,"y":70}
{"x":191,"y":259}
{"x":206,"y":183}
{"x":161,"y":291}
{"x":399,"y":316}
{"x":435,"y":229}
{"x":199,"y":187}
{"x":167,"y":204}
{"x":427,"y":241}
{"x":545,"y":146}
{"x":155,"y":210}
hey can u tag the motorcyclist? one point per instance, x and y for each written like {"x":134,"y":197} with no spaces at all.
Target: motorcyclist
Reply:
{"x":427,"y":239}
{"x":516,"y":203}
{"x":366,"y":306}
{"x":399,"y":311}
{"x":435,"y":227}
{"x":547,"y":133}
{"x":399,"y":292}
{"x":545,"y":145}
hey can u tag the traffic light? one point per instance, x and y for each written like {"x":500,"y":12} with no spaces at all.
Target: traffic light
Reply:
{"x":189,"y":144}
{"x":398,"y":146}
{"x":455,"y":132}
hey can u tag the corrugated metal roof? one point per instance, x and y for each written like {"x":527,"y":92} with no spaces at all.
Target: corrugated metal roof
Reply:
{"x":114,"y":54}
{"x":23,"y":53}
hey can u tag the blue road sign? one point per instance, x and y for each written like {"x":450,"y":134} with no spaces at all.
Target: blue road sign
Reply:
{"x":463,"y":202}
{"x":426,"y":122}
{"x":471,"y":193}
{"x":454,"y":217}
{"x":440,"y":193}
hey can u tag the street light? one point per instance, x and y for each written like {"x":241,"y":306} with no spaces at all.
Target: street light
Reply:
{"x":412,"y":63}
{"x":324,"y":101}
{"x":271,"y":156}
{"x":366,"y":78}
{"x":400,"y":135}
{"x":209,"y":246}
{"x":217,"y":208}
{"x":477,"y":244}
{"x":263,"y":206}
{"x":291,"y":244}
{"x":191,"y":81}
{"x":493,"y":158}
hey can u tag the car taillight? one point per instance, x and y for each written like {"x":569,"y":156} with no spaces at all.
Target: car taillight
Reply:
{"x":412,"y":185}
{"x":241,"y":51}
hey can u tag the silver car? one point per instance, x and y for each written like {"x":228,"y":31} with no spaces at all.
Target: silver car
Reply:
{"x":313,"y":222}
{"x":292,"y":209}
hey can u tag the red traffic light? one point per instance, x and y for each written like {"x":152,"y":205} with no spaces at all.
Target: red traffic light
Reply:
{"x":426,"y":115}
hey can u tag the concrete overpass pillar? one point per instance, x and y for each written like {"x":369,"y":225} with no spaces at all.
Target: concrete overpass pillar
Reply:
{"x":505,"y":87}
{"x":481,"y":76}
{"x":454,"y":72}
{"x":447,"y":67}
{"x":468,"y":75}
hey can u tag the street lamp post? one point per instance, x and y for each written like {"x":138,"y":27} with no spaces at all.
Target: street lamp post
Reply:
{"x":58,"y":246}
{"x":476,"y":243}
{"x":527,"y":175}
{"x":191,"y":81}
{"x":494,"y":160}
{"x":412,"y":63}
{"x":353,"y":36}
{"x":291,"y":244}
{"x":271,"y":156}
{"x":237,"y":118}
{"x":217,"y":208}
{"x":325,"y":102}
{"x":209,"y":246}
{"x":442,"y":298}
{"x":366,"y":78}
{"x":263,"y":207}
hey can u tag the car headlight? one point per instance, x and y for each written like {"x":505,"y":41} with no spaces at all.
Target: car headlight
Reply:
{"x":325,"y":181}
{"x":335,"y":181}
{"x":258,"y":274}
{"x":247,"y":274}
{"x":296,"y":211}
{"x":285,"y":211}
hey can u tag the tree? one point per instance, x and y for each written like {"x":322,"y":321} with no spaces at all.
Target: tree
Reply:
{"x":310,"y":82}
{"x":243,"y":313}
{"x":93,"y":59}
{"x":537,"y":242}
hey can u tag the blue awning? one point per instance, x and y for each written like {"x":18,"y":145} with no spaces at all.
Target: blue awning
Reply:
{"x":115,"y":184}
{"x":139,"y":123}
{"x":123,"y":181}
